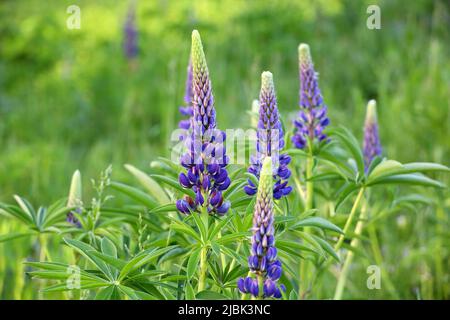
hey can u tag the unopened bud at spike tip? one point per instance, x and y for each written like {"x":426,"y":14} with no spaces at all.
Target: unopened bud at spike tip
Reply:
{"x":304,"y":53}
{"x":267,"y":81}
{"x":371,"y":113}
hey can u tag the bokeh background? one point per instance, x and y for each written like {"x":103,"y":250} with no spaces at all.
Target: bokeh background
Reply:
{"x":72,"y":99}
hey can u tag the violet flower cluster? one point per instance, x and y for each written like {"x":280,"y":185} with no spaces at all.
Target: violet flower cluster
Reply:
{"x":130,"y":34}
{"x":312,"y":118}
{"x":263,"y":260}
{"x":186,"y":109}
{"x":205,"y":159}
{"x":270,"y":140}
{"x":371,"y":144}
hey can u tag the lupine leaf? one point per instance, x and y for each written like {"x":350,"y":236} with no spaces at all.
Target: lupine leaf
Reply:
{"x":193,"y":262}
{"x":174,"y":184}
{"x":411,"y":179}
{"x":317,"y":222}
{"x":210,"y":295}
{"x":148,"y":183}
{"x":135,"y":194}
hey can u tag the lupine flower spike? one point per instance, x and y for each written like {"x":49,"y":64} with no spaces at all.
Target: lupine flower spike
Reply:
{"x":270,"y":141}
{"x":74,"y":200}
{"x":130,"y":33}
{"x":186,"y":109}
{"x":263,"y":262}
{"x":205,"y":160}
{"x":312,"y":118}
{"x":371,"y":145}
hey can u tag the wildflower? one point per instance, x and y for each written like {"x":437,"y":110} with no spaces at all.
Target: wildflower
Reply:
{"x":74,"y":200}
{"x":186,"y":109}
{"x":371,"y":144}
{"x":130,"y":34}
{"x":270,"y":141}
{"x":312,"y":118}
{"x":263,"y":260}
{"x":205,"y":159}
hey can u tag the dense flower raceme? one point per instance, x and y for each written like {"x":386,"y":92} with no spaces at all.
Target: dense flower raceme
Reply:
{"x":312,"y":118}
{"x":263,"y":260}
{"x":186,"y":109}
{"x":270,"y":141}
{"x":371,"y":145}
{"x":205,"y":159}
{"x":130,"y":34}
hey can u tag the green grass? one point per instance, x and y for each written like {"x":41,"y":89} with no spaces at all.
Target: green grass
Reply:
{"x":68,"y":99}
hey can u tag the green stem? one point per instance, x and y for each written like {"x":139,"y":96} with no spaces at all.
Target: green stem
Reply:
{"x":349,"y":259}
{"x":233,"y":262}
{"x":348,"y":223}
{"x":202,"y":271}
{"x":379,"y":260}
{"x":203,"y":253}
{"x":42,"y":254}
{"x":304,"y":264}
{"x":260,"y":287}
{"x":309,"y":183}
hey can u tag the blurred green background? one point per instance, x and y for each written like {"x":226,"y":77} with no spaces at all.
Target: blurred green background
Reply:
{"x":70,"y":99}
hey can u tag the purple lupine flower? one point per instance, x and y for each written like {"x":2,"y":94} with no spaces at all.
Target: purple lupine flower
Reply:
{"x":371,"y":144}
{"x":270,"y":140}
{"x":263,"y":260}
{"x":312,"y":118}
{"x":130,"y":34}
{"x":186,"y":109}
{"x":205,"y":159}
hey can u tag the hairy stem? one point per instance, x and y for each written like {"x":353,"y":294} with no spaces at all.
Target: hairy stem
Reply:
{"x":203,"y":253}
{"x":349,"y":259}
{"x":304,"y":264}
{"x":348,"y":223}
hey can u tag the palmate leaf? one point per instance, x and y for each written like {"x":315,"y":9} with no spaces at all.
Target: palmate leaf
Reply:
{"x":87,"y":251}
{"x":385,"y":168}
{"x":184,"y":228}
{"x":189,"y":293}
{"x":317,"y":222}
{"x":327,"y":247}
{"x":149,"y":184}
{"x":174,"y":184}
{"x":210,"y":295}
{"x":26,"y":207}
{"x":351,"y":143}
{"x":409,"y":179}
{"x":16,"y":212}
{"x":344,"y":192}
{"x":135,"y":194}
{"x":193,"y":262}
{"x":15,"y":235}
{"x":53,"y":270}
{"x":141,"y":259}
{"x":388,"y":168}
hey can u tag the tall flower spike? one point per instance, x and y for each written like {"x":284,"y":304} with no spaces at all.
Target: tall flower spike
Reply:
{"x":74,"y":199}
{"x":371,"y":145}
{"x":263,"y":260}
{"x":186,"y":109}
{"x":130,"y":33}
{"x":205,"y":159}
{"x":270,"y":140}
{"x":312,"y":118}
